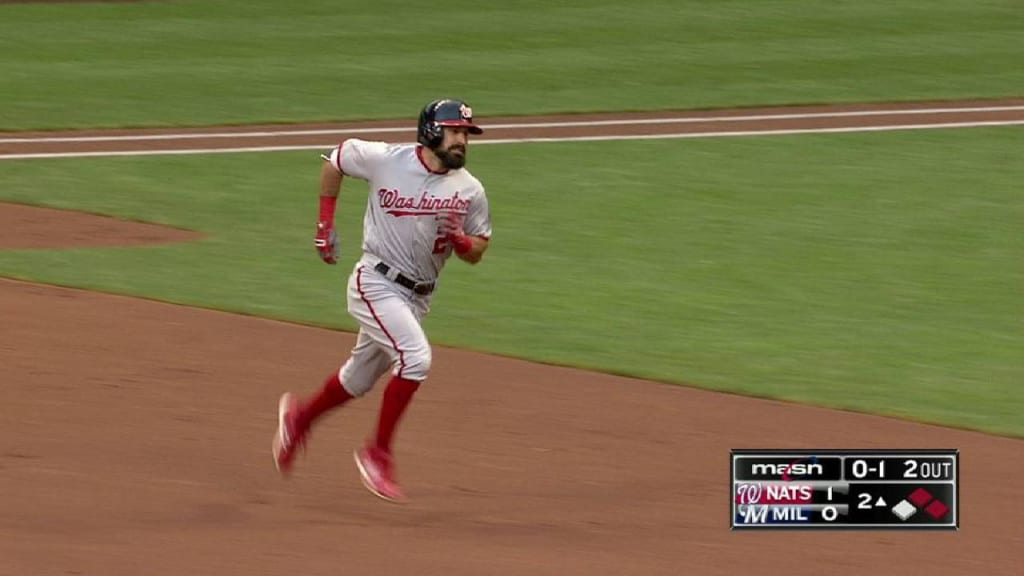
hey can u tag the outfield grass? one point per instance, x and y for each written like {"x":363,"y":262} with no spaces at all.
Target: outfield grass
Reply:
{"x":876,"y":272}
{"x":197,"y":62}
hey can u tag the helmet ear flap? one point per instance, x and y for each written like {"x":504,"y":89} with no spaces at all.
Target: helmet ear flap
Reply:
{"x":430,"y":133}
{"x":435,"y":135}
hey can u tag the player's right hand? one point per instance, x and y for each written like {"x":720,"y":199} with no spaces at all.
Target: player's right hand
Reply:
{"x":326,"y":242}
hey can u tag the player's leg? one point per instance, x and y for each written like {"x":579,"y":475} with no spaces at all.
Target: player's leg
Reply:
{"x":296,"y":416}
{"x":390,"y":318}
{"x":393,"y":321}
{"x":366,"y":363}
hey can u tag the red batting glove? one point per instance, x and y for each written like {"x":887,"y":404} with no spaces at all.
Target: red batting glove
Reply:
{"x":326,"y":242}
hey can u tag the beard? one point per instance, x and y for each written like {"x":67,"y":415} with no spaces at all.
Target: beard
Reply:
{"x":453,"y":157}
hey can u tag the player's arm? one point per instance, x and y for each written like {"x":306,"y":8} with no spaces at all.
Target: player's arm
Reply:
{"x":469,"y":233}
{"x":330,"y":181}
{"x":469,"y":248}
{"x":326,"y":240}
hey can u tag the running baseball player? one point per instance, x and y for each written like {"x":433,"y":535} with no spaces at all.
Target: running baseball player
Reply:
{"x":423,"y":206}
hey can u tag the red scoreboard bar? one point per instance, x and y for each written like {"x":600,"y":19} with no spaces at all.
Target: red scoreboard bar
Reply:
{"x":844,"y":489}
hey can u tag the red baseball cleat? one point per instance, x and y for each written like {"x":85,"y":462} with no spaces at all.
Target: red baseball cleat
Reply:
{"x":377,"y":469}
{"x":289,"y":439}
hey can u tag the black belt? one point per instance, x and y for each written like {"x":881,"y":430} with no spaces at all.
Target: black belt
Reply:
{"x":421,"y":288}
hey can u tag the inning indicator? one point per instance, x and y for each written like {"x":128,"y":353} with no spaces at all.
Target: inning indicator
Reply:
{"x":851,"y":489}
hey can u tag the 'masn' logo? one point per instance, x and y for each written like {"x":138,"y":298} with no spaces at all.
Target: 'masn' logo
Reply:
{"x":798,"y":469}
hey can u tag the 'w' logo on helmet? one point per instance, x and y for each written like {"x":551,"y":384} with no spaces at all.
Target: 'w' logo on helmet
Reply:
{"x":466,"y":112}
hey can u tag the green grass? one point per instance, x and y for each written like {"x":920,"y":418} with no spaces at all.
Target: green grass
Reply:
{"x":198,"y":62}
{"x":874,"y":272}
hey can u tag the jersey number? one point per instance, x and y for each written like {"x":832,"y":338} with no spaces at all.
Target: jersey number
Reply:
{"x":441,"y":245}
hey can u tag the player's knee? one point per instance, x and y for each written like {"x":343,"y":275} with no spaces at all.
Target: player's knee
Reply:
{"x":355,"y":382}
{"x":417,"y":363}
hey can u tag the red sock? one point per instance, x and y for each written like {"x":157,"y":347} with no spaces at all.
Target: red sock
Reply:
{"x":330,"y":396}
{"x":397,"y":396}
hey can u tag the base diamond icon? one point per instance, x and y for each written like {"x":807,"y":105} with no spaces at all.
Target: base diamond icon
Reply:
{"x":904,"y":510}
{"x":937,"y":509}
{"x":920,"y":497}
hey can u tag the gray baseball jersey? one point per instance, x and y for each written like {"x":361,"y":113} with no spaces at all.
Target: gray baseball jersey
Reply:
{"x":400,"y":226}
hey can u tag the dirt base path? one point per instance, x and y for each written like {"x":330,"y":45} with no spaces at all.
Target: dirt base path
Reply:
{"x":136,"y":440}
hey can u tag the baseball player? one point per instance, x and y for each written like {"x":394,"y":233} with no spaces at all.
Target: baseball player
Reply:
{"x":423,"y":206}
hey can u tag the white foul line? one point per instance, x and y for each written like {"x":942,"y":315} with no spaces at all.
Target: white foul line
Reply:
{"x":321,"y":146}
{"x":779,"y":132}
{"x":542,"y":125}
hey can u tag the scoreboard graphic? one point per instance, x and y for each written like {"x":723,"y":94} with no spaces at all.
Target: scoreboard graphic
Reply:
{"x":845,"y":489}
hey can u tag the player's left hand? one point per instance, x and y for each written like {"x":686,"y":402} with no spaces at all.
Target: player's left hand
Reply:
{"x":326,"y":242}
{"x":450,"y":227}
{"x":450,"y":224}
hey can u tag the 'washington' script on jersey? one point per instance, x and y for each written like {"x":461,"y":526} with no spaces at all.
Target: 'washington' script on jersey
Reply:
{"x":425,"y":204}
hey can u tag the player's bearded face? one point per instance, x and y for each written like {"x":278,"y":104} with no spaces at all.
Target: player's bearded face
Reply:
{"x":452,"y":152}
